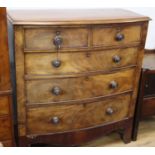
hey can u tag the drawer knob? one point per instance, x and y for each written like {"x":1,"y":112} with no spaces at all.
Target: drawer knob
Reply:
{"x":109,"y":111}
{"x":57,"y":40}
{"x":113,"y":84}
{"x":56,"y":90}
{"x":55,"y":120}
{"x":116,"y":59}
{"x":119,"y":37}
{"x":56,"y":63}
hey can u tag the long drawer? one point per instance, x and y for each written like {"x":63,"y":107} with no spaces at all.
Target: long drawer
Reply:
{"x":76,"y":88}
{"x":59,"y":118}
{"x":77,"y":62}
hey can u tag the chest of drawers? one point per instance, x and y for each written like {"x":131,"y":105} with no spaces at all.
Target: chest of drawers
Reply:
{"x":6,"y":117}
{"x":77,"y":73}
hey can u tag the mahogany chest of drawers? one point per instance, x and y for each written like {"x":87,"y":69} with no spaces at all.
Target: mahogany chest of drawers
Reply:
{"x":77,"y":73}
{"x":6,"y":117}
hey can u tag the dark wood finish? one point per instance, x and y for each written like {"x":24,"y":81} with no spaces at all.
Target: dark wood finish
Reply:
{"x":6,"y":118}
{"x":146,"y":99}
{"x":73,"y":74}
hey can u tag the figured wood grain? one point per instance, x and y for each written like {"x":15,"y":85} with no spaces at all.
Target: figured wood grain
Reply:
{"x":40,"y":91}
{"x":4,"y":105}
{"x":77,"y":116}
{"x":76,"y":16}
{"x":78,"y":62}
{"x":81,"y":79}
{"x":42,"y":38}
{"x":101,"y":35}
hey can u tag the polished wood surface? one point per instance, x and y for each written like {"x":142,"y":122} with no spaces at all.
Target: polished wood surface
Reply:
{"x":42,"y":38}
{"x":73,"y":88}
{"x":101,"y":35}
{"x":88,"y":76}
{"x":79,"y":62}
{"x":6,"y":117}
{"x":78,"y":116}
{"x":79,"y":16}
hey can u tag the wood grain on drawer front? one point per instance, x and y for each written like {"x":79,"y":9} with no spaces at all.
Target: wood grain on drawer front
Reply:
{"x":4,"y":105}
{"x":76,"y":116}
{"x":76,"y":88}
{"x":105,"y":36}
{"x":76,"y":62}
{"x":42,"y":38}
{"x":5,"y":128}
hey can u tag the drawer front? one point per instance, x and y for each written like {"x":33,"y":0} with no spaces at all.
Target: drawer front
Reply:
{"x":42,"y":38}
{"x":4,"y":105}
{"x":75,"y":88}
{"x":69,"y":117}
{"x":5,"y":128}
{"x":149,"y":86}
{"x":72,"y":62}
{"x":148,"y":107}
{"x":105,"y":36}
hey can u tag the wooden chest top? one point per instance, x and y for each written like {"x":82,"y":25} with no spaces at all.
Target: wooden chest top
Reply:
{"x":80,"y":16}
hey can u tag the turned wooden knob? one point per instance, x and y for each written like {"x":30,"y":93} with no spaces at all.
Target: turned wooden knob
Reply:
{"x":56,"y":63}
{"x":119,"y":37}
{"x":113,"y":84}
{"x":55,"y":120}
{"x":109,"y":111}
{"x":116,"y":59}
{"x":56,"y":90}
{"x":57,"y":41}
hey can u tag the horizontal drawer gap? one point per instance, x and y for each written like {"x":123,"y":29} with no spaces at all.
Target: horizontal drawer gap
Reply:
{"x":134,"y":44}
{"x":82,"y":101}
{"x":74,"y":75}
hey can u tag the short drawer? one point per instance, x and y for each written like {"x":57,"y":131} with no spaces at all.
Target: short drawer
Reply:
{"x":42,"y":38}
{"x":5,"y":128}
{"x":61,"y":118}
{"x":78,"y":62}
{"x":116,"y":35}
{"x":4,"y":105}
{"x":76,"y":88}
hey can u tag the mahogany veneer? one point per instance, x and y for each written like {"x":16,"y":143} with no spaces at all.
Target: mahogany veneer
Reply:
{"x":77,"y":73}
{"x":6,"y":118}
